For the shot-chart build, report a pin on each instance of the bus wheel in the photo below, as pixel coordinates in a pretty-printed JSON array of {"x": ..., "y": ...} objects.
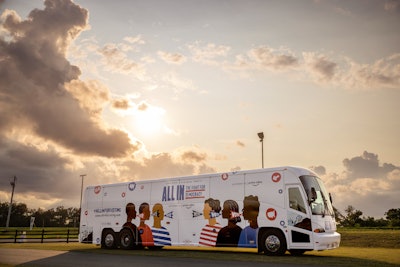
[
  {"x": 126, "y": 238},
  {"x": 108, "y": 239},
  {"x": 273, "y": 242}
]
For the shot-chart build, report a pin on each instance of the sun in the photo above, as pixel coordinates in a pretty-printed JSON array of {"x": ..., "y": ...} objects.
[{"x": 149, "y": 119}]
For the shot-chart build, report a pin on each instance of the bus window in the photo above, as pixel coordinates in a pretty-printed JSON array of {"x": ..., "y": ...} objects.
[{"x": 296, "y": 202}]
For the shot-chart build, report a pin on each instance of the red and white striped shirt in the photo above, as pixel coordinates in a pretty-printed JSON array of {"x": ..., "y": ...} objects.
[{"x": 209, "y": 234}]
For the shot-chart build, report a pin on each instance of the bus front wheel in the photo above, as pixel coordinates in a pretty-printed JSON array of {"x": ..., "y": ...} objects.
[{"x": 273, "y": 242}]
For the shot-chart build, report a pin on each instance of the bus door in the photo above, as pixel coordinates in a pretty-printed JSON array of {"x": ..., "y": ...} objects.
[{"x": 299, "y": 219}]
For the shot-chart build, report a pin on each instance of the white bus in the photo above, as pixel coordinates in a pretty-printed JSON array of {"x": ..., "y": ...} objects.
[{"x": 273, "y": 210}]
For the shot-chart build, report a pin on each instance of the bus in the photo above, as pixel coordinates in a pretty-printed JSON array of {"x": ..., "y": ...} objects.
[{"x": 272, "y": 210}]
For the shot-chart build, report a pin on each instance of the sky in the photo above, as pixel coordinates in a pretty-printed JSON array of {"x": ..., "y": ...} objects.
[{"x": 135, "y": 90}]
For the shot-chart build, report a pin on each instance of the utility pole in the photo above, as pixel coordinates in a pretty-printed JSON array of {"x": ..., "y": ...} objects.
[{"x": 12, "y": 183}]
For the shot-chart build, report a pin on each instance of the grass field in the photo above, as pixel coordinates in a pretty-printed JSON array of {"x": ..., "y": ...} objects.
[{"x": 359, "y": 247}]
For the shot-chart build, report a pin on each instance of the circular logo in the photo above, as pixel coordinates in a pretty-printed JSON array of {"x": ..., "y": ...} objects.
[
  {"x": 97, "y": 189},
  {"x": 276, "y": 177},
  {"x": 132, "y": 186},
  {"x": 271, "y": 214},
  {"x": 224, "y": 176}
]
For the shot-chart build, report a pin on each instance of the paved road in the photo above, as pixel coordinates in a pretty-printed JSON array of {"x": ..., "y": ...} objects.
[{"x": 34, "y": 257}]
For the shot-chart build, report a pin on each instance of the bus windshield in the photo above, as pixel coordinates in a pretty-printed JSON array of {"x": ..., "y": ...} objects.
[{"x": 318, "y": 198}]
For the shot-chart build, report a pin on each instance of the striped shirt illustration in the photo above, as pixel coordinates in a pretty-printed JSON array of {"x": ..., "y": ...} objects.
[
  {"x": 161, "y": 236},
  {"x": 209, "y": 234}
]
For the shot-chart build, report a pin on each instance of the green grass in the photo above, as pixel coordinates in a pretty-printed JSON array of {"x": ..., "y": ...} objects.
[{"x": 370, "y": 238}]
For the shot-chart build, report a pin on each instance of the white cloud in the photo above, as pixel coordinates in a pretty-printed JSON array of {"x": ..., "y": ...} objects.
[{"x": 209, "y": 54}]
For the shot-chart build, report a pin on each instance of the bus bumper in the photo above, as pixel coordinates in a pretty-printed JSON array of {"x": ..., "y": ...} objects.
[{"x": 323, "y": 241}]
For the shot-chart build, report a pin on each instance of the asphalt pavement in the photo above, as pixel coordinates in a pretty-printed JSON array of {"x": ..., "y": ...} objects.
[{"x": 35, "y": 257}]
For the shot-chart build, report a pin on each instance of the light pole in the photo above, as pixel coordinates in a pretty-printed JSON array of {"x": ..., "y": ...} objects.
[
  {"x": 12, "y": 183},
  {"x": 80, "y": 205},
  {"x": 261, "y": 136}
]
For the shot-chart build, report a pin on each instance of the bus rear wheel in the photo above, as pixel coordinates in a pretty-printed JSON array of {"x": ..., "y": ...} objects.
[
  {"x": 108, "y": 239},
  {"x": 273, "y": 242}
]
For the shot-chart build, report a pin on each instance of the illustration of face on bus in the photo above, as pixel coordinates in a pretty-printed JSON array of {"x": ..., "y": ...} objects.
[
  {"x": 161, "y": 235},
  {"x": 248, "y": 236},
  {"x": 130, "y": 210},
  {"x": 209, "y": 233},
  {"x": 229, "y": 235},
  {"x": 144, "y": 229}
]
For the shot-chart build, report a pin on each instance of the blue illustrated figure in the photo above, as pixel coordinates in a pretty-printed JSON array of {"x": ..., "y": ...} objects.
[
  {"x": 161, "y": 235},
  {"x": 248, "y": 236}
]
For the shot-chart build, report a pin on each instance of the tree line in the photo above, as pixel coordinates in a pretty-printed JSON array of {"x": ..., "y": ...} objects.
[
  {"x": 69, "y": 217},
  {"x": 21, "y": 216},
  {"x": 354, "y": 218}
]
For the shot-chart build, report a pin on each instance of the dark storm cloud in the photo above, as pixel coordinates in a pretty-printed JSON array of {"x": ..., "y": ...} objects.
[
  {"x": 39, "y": 171},
  {"x": 34, "y": 72},
  {"x": 367, "y": 166}
]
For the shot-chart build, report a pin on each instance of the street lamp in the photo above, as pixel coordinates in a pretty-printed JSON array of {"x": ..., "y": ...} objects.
[
  {"x": 261, "y": 136},
  {"x": 12, "y": 183},
  {"x": 80, "y": 205}
]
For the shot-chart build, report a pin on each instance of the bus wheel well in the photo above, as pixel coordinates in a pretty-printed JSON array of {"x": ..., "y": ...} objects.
[
  {"x": 271, "y": 241},
  {"x": 109, "y": 239}
]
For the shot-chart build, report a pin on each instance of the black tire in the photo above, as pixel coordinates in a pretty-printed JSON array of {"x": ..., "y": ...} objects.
[
  {"x": 108, "y": 239},
  {"x": 272, "y": 242},
  {"x": 126, "y": 239},
  {"x": 297, "y": 252}
]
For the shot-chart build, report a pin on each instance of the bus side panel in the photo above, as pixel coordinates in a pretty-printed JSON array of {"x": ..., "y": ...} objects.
[
  {"x": 191, "y": 209},
  {"x": 89, "y": 223},
  {"x": 112, "y": 214},
  {"x": 165, "y": 195}
]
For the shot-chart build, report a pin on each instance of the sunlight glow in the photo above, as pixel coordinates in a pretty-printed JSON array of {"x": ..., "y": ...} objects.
[{"x": 148, "y": 120}]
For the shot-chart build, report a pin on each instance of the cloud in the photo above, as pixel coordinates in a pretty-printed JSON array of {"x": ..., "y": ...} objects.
[
  {"x": 41, "y": 90},
  {"x": 319, "y": 66},
  {"x": 172, "y": 58},
  {"x": 365, "y": 179},
  {"x": 115, "y": 59},
  {"x": 383, "y": 73},
  {"x": 41, "y": 172},
  {"x": 240, "y": 143},
  {"x": 209, "y": 54},
  {"x": 392, "y": 6},
  {"x": 269, "y": 58},
  {"x": 366, "y": 166},
  {"x": 177, "y": 83},
  {"x": 320, "y": 170},
  {"x": 192, "y": 156},
  {"x": 135, "y": 40}
]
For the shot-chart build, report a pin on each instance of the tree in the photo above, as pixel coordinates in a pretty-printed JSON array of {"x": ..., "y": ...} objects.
[
  {"x": 19, "y": 214},
  {"x": 393, "y": 216},
  {"x": 352, "y": 217}
]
